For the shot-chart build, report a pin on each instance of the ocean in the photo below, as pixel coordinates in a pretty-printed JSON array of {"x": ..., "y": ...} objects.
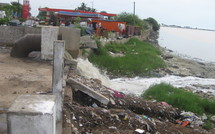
[{"x": 191, "y": 43}]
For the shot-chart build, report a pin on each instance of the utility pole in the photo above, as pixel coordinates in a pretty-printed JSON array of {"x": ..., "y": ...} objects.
[
  {"x": 18, "y": 12},
  {"x": 134, "y": 15},
  {"x": 92, "y": 4}
]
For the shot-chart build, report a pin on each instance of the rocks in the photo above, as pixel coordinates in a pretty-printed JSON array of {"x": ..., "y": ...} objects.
[
  {"x": 87, "y": 42},
  {"x": 213, "y": 119},
  {"x": 166, "y": 57}
]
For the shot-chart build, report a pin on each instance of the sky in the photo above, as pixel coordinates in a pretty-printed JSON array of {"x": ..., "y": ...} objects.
[{"x": 193, "y": 13}]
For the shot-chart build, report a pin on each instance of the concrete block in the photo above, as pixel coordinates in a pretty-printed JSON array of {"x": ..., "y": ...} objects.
[
  {"x": 81, "y": 87},
  {"x": 32, "y": 114},
  {"x": 72, "y": 40},
  {"x": 49, "y": 35}
]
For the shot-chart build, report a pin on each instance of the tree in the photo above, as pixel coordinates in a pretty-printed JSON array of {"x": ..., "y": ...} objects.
[
  {"x": 42, "y": 14},
  {"x": 130, "y": 19},
  {"x": 103, "y": 12},
  {"x": 84, "y": 7},
  {"x": 153, "y": 23},
  {"x": 17, "y": 8},
  {"x": 14, "y": 9}
]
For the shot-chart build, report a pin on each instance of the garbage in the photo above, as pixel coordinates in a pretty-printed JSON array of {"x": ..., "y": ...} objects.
[
  {"x": 73, "y": 117},
  {"x": 94, "y": 105},
  {"x": 121, "y": 115},
  {"x": 146, "y": 117},
  {"x": 116, "y": 93},
  {"x": 165, "y": 104},
  {"x": 204, "y": 117},
  {"x": 140, "y": 131},
  {"x": 185, "y": 123},
  {"x": 213, "y": 119},
  {"x": 113, "y": 127},
  {"x": 115, "y": 116},
  {"x": 189, "y": 118},
  {"x": 119, "y": 94}
]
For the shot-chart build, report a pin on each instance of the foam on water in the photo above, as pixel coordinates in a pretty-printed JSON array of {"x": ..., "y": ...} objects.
[
  {"x": 88, "y": 70},
  {"x": 138, "y": 85}
]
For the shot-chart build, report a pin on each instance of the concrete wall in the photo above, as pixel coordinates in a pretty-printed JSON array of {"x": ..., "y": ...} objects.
[
  {"x": 49, "y": 35},
  {"x": 9, "y": 34},
  {"x": 3, "y": 123},
  {"x": 72, "y": 40}
]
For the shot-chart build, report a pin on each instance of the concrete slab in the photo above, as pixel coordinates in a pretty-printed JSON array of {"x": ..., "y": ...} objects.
[
  {"x": 79, "y": 86},
  {"x": 32, "y": 113}
]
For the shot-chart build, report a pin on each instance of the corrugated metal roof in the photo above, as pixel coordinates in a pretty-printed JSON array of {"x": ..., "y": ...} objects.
[{"x": 80, "y": 14}]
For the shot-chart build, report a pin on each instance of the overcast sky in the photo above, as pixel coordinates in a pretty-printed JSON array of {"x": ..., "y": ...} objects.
[{"x": 194, "y": 13}]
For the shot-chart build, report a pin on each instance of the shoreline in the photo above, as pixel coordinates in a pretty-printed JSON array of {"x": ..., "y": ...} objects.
[{"x": 179, "y": 65}]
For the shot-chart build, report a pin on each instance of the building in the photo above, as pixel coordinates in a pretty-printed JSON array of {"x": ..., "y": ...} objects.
[
  {"x": 67, "y": 13},
  {"x": 96, "y": 20},
  {"x": 25, "y": 9}
]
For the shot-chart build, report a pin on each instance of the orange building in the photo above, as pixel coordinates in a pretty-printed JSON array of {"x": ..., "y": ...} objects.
[{"x": 109, "y": 25}]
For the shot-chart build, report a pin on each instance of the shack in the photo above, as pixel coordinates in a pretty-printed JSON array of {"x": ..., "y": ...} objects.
[{"x": 109, "y": 26}]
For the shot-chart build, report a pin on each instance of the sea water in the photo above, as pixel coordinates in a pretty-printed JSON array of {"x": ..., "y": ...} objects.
[{"x": 193, "y": 43}]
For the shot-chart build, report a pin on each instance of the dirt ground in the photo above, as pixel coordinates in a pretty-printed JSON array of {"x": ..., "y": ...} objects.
[{"x": 22, "y": 76}]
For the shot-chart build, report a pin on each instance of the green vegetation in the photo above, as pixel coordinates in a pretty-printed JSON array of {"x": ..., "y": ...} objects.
[
  {"x": 153, "y": 23},
  {"x": 144, "y": 24},
  {"x": 12, "y": 10},
  {"x": 84, "y": 7},
  {"x": 3, "y": 21},
  {"x": 208, "y": 125},
  {"x": 139, "y": 58},
  {"x": 129, "y": 19},
  {"x": 179, "y": 98}
]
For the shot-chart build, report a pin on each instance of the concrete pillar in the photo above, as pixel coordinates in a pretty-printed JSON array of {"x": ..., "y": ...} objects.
[
  {"x": 72, "y": 40},
  {"x": 57, "y": 81},
  {"x": 49, "y": 35},
  {"x": 34, "y": 114}
]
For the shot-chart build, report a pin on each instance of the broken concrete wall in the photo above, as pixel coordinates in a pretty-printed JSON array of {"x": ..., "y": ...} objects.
[
  {"x": 72, "y": 40},
  {"x": 49, "y": 35},
  {"x": 9, "y": 34}
]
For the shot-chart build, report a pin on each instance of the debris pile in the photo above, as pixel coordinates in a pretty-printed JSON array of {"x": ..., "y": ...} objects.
[{"x": 85, "y": 113}]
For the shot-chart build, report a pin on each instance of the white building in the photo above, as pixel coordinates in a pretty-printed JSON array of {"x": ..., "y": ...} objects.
[{"x": 2, "y": 14}]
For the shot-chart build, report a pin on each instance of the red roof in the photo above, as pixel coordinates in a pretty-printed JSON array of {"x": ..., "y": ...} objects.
[{"x": 68, "y": 10}]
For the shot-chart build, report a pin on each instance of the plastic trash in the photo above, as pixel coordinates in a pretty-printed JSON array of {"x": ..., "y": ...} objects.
[
  {"x": 165, "y": 104},
  {"x": 213, "y": 119},
  {"x": 140, "y": 131},
  {"x": 185, "y": 123}
]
